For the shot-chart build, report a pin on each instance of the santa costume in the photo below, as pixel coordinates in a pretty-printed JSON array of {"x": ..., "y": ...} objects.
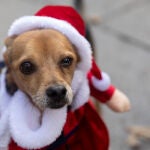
[{"x": 74, "y": 127}]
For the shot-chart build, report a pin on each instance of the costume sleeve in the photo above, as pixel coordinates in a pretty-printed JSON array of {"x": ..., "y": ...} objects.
[{"x": 100, "y": 84}]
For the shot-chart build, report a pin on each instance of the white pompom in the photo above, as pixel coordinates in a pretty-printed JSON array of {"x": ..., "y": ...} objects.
[{"x": 103, "y": 84}]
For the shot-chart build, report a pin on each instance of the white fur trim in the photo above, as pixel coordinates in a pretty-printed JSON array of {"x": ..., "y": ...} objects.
[
  {"x": 80, "y": 89},
  {"x": 103, "y": 84},
  {"x": 20, "y": 120},
  {"x": 27, "y": 23},
  {"x": 4, "y": 113},
  {"x": 25, "y": 124},
  {"x": 3, "y": 50},
  {"x": 4, "y": 148}
]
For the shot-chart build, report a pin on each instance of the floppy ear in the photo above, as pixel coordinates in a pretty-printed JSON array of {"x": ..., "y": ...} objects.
[
  {"x": 10, "y": 84},
  {"x": 9, "y": 40},
  {"x": 8, "y": 44}
]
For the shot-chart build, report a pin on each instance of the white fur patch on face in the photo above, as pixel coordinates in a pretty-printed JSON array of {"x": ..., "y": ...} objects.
[
  {"x": 69, "y": 94},
  {"x": 41, "y": 100}
]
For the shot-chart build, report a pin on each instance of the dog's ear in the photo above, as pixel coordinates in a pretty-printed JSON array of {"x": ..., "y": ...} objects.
[
  {"x": 8, "y": 44},
  {"x": 9, "y": 40},
  {"x": 10, "y": 84}
]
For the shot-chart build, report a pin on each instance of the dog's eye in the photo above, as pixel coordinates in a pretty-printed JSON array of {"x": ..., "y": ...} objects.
[
  {"x": 66, "y": 62},
  {"x": 27, "y": 68}
]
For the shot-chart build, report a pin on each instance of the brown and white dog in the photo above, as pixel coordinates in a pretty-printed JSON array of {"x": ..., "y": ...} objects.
[
  {"x": 49, "y": 67},
  {"x": 41, "y": 63}
]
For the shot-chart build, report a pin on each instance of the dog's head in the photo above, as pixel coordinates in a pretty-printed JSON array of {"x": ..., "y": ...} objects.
[{"x": 41, "y": 63}]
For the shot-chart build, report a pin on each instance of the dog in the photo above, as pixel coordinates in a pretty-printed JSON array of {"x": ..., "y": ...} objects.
[
  {"x": 41, "y": 63},
  {"x": 46, "y": 86}
]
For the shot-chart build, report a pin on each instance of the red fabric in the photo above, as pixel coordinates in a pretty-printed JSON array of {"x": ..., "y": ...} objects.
[
  {"x": 65, "y": 13},
  {"x": 91, "y": 134},
  {"x": 95, "y": 70},
  {"x": 102, "y": 96}
]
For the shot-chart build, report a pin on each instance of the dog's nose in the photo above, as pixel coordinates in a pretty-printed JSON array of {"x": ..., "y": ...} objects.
[{"x": 56, "y": 92}]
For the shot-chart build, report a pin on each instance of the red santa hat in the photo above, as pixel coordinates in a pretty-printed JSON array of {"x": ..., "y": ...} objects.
[
  {"x": 66, "y": 20},
  {"x": 100, "y": 84},
  {"x": 62, "y": 18}
]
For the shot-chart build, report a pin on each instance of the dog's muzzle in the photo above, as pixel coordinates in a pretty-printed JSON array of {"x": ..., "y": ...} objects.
[{"x": 57, "y": 96}]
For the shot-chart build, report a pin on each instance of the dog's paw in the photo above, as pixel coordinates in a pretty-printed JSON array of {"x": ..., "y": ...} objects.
[{"x": 119, "y": 102}]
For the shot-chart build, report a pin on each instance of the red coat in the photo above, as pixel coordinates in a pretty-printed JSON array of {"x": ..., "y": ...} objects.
[{"x": 84, "y": 130}]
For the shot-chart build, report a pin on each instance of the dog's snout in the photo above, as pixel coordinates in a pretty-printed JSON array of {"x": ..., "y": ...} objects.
[
  {"x": 57, "y": 96},
  {"x": 56, "y": 92}
]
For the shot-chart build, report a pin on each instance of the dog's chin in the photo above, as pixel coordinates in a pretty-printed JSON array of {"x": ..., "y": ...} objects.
[
  {"x": 43, "y": 102},
  {"x": 51, "y": 106},
  {"x": 56, "y": 106}
]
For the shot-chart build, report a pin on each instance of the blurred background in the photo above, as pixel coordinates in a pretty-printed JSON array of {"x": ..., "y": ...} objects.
[{"x": 121, "y": 32}]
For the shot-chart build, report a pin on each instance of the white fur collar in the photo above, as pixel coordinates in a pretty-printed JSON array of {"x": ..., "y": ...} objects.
[
  {"x": 20, "y": 120},
  {"x": 80, "y": 89}
]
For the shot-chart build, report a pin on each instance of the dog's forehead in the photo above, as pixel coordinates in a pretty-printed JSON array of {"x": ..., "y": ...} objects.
[
  {"x": 41, "y": 45},
  {"x": 47, "y": 40}
]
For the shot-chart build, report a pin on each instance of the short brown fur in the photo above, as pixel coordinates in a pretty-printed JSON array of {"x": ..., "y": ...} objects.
[{"x": 45, "y": 49}]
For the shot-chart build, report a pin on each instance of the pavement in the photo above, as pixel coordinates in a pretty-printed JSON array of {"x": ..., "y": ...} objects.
[{"x": 122, "y": 39}]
